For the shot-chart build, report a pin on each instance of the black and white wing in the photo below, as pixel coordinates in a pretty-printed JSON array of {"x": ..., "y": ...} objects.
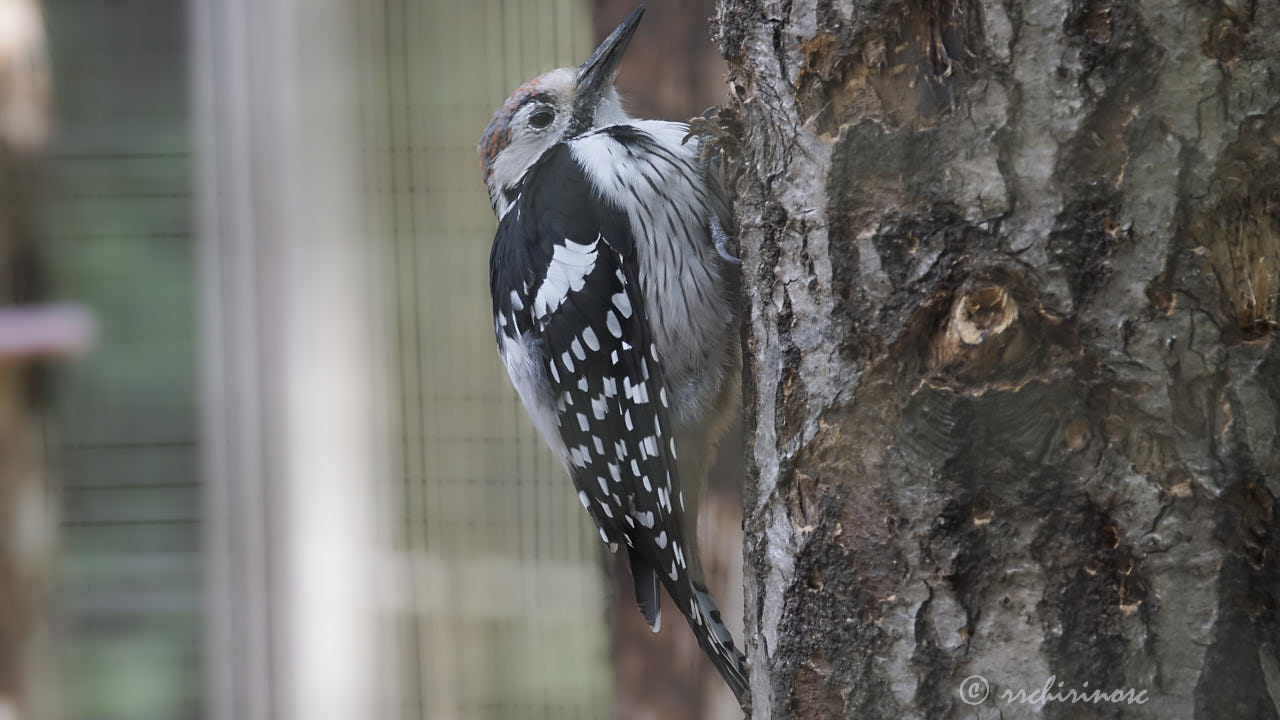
[{"x": 572, "y": 330}]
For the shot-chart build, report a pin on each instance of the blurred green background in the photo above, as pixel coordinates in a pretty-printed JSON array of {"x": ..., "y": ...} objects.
[
  {"x": 488, "y": 577},
  {"x": 500, "y": 571},
  {"x": 124, "y": 422},
  {"x": 504, "y": 609}
]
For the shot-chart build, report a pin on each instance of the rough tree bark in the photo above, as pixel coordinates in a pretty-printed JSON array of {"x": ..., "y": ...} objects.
[{"x": 1013, "y": 382}]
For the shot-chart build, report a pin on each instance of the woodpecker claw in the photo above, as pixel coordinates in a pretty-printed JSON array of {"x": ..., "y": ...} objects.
[{"x": 721, "y": 239}]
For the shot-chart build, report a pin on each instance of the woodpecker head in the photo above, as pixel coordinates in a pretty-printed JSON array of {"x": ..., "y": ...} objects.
[{"x": 555, "y": 106}]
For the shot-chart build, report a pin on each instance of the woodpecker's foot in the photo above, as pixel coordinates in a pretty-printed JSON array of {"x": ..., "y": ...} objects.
[{"x": 706, "y": 125}]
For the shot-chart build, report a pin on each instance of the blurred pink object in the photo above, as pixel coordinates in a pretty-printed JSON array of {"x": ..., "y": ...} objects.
[{"x": 47, "y": 330}]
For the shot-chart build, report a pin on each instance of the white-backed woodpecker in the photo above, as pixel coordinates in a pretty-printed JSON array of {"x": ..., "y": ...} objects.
[{"x": 616, "y": 313}]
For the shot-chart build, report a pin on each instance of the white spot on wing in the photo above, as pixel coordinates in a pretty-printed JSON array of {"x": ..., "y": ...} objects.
[
  {"x": 623, "y": 303},
  {"x": 567, "y": 272}
]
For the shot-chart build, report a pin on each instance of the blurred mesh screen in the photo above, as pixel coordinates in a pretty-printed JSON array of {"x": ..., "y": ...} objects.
[
  {"x": 499, "y": 609},
  {"x": 503, "y": 615},
  {"x": 119, "y": 221}
]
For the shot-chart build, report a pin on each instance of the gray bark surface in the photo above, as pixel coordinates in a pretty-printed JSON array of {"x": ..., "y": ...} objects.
[{"x": 1012, "y": 377}]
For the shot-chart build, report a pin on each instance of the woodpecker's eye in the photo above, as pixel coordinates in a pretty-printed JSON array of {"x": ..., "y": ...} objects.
[{"x": 541, "y": 119}]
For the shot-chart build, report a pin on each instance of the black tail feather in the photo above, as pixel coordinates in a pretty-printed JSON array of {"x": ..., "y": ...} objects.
[
  {"x": 648, "y": 594},
  {"x": 700, "y": 609},
  {"x": 713, "y": 635}
]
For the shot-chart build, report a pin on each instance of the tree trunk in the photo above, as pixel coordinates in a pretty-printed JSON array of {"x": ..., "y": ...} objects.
[{"x": 1012, "y": 383}]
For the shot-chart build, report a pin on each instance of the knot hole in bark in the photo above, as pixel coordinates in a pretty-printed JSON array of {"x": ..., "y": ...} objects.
[
  {"x": 985, "y": 312},
  {"x": 995, "y": 334}
]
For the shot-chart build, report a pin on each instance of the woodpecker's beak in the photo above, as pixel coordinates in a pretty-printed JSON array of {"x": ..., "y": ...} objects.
[{"x": 597, "y": 74}]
